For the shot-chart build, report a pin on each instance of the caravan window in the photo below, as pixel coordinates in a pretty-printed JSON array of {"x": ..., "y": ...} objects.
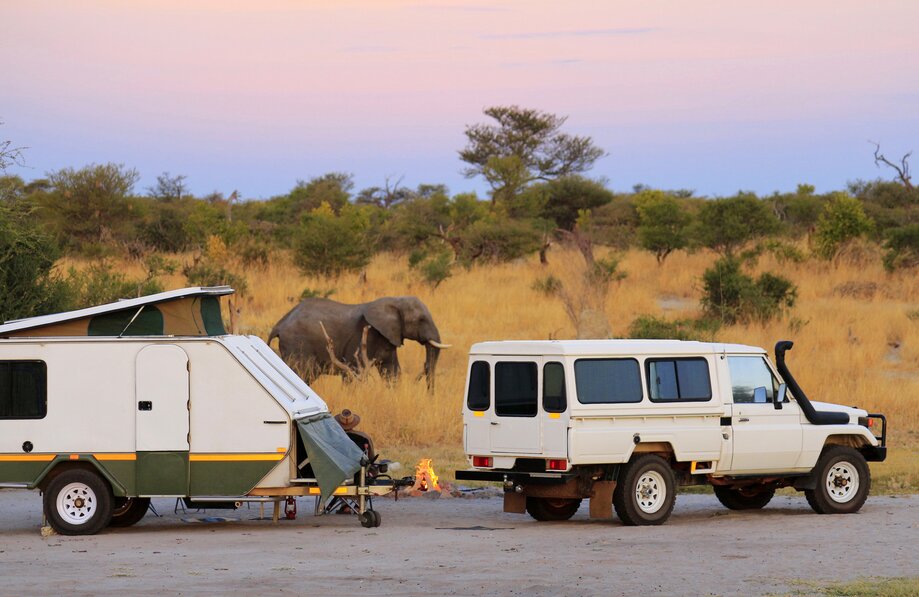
[{"x": 23, "y": 389}]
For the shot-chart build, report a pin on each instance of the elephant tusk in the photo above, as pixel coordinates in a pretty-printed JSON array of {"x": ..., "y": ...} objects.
[{"x": 438, "y": 344}]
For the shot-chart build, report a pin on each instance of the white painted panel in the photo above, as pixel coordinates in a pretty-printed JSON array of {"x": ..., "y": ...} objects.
[
  {"x": 162, "y": 382},
  {"x": 766, "y": 439}
]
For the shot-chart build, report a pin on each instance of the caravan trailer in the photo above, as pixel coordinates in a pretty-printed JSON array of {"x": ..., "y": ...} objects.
[{"x": 103, "y": 408}]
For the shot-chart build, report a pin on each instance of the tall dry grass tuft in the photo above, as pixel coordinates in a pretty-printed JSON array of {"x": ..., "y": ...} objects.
[{"x": 855, "y": 327}]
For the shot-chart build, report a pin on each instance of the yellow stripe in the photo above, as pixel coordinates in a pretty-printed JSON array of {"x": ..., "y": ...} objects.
[
  {"x": 478, "y": 413},
  {"x": 555, "y": 416},
  {"x": 233, "y": 457},
  {"x": 27, "y": 457},
  {"x": 130, "y": 456},
  {"x": 338, "y": 491}
]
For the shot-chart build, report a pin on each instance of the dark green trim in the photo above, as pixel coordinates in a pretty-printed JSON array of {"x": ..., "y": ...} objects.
[
  {"x": 119, "y": 474},
  {"x": 162, "y": 473},
  {"x": 228, "y": 477}
]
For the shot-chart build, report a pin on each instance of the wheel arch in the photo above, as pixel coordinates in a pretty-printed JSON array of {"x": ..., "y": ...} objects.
[{"x": 62, "y": 464}]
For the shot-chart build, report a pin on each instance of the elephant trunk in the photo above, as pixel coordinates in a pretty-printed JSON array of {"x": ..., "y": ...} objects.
[{"x": 432, "y": 353}]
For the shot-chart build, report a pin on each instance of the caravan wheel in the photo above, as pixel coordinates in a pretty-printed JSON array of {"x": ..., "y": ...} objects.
[{"x": 78, "y": 502}]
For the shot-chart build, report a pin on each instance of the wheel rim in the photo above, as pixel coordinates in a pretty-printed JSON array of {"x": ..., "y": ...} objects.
[
  {"x": 76, "y": 503},
  {"x": 123, "y": 507},
  {"x": 650, "y": 492},
  {"x": 842, "y": 482}
]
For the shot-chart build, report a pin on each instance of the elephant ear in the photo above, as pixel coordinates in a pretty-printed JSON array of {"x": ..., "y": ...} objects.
[{"x": 386, "y": 318}]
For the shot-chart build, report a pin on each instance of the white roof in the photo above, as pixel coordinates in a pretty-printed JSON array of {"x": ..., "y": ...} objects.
[
  {"x": 42, "y": 320},
  {"x": 608, "y": 347}
]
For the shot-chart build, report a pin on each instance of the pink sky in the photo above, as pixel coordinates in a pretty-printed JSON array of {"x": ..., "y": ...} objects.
[{"x": 714, "y": 96}]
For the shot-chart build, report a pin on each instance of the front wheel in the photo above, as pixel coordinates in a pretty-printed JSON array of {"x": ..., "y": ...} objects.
[
  {"x": 744, "y": 498},
  {"x": 129, "y": 511},
  {"x": 645, "y": 493},
  {"x": 843, "y": 482},
  {"x": 78, "y": 502},
  {"x": 546, "y": 509}
]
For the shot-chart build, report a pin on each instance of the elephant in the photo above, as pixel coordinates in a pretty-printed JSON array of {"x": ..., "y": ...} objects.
[{"x": 305, "y": 331}]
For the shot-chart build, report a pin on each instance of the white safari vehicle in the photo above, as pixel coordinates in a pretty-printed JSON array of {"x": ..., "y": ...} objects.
[
  {"x": 105, "y": 407},
  {"x": 624, "y": 422}
]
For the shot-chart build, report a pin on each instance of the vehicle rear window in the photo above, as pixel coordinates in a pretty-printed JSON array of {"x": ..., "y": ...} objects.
[
  {"x": 23, "y": 389},
  {"x": 554, "y": 399},
  {"x": 607, "y": 381},
  {"x": 679, "y": 379},
  {"x": 516, "y": 391},
  {"x": 478, "y": 397}
]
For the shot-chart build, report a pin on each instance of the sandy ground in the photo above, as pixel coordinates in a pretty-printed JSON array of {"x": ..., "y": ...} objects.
[{"x": 461, "y": 547}]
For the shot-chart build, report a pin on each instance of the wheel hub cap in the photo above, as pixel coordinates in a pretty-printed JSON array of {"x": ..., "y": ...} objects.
[
  {"x": 842, "y": 482},
  {"x": 76, "y": 503},
  {"x": 650, "y": 492}
]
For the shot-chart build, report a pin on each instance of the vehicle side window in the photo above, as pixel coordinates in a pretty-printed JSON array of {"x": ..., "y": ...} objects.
[
  {"x": 607, "y": 381},
  {"x": 23, "y": 389},
  {"x": 747, "y": 374},
  {"x": 516, "y": 390},
  {"x": 479, "y": 380},
  {"x": 679, "y": 380},
  {"x": 554, "y": 399}
]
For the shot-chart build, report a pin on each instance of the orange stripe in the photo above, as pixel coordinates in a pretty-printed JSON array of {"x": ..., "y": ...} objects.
[
  {"x": 27, "y": 457},
  {"x": 130, "y": 456},
  {"x": 233, "y": 457}
]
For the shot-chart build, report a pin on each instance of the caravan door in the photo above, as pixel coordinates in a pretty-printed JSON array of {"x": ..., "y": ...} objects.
[{"x": 161, "y": 419}]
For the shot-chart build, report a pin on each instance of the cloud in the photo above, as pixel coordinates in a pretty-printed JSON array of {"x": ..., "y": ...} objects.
[{"x": 574, "y": 33}]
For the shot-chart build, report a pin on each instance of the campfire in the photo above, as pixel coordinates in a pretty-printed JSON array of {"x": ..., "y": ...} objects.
[{"x": 427, "y": 482}]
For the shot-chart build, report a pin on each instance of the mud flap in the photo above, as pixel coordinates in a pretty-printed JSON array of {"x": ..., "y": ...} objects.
[
  {"x": 601, "y": 499},
  {"x": 515, "y": 503}
]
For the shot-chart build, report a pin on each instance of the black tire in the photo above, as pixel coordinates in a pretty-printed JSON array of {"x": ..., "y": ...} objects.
[
  {"x": 843, "y": 482},
  {"x": 744, "y": 498},
  {"x": 377, "y": 519},
  {"x": 548, "y": 509},
  {"x": 367, "y": 519},
  {"x": 128, "y": 511},
  {"x": 651, "y": 476},
  {"x": 78, "y": 502}
]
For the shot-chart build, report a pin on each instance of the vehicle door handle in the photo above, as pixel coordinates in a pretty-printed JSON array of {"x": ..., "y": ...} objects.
[
  {"x": 743, "y": 420},
  {"x": 495, "y": 423},
  {"x": 274, "y": 422}
]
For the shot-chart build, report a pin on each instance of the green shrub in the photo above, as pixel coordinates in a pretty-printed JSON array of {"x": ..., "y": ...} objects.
[
  {"x": 732, "y": 296},
  {"x": 28, "y": 285},
  {"x": 902, "y": 247},
  {"x": 100, "y": 284},
  {"x": 663, "y": 223},
  {"x": 548, "y": 285},
  {"x": 843, "y": 219},
  {"x": 726, "y": 225},
  {"x": 436, "y": 269},
  {"x": 328, "y": 244},
  {"x": 316, "y": 293},
  {"x": 651, "y": 327},
  {"x": 207, "y": 273}
]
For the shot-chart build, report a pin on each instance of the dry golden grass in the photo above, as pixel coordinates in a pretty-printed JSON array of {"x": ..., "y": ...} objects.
[{"x": 854, "y": 351}]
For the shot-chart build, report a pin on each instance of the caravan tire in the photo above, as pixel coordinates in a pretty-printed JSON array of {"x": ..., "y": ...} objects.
[
  {"x": 78, "y": 502},
  {"x": 129, "y": 511}
]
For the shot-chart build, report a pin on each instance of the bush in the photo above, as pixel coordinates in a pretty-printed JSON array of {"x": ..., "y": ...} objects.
[
  {"x": 651, "y": 327},
  {"x": 206, "y": 273},
  {"x": 663, "y": 223},
  {"x": 316, "y": 293},
  {"x": 732, "y": 296},
  {"x": 100, "y": 284},
  {"x": 843, "y": 219},
  {"x": 726, "y": 225},
  {"x": 549, "y": 285},
  {"x": 902, "y": 248},
  {"x": 436, "y": 269},
  {"x": 28, "y": 285},
  {"x": 329, "y": 244}
]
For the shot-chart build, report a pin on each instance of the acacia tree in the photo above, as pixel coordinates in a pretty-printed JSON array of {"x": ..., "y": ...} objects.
[
  {"x": 10, "y": 155},
  {"x": 663, "y": 223},
  {"x": 522, "y": 146}
]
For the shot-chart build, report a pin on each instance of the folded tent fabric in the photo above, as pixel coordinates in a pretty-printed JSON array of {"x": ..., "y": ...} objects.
[{"x": 333, "y": 456}]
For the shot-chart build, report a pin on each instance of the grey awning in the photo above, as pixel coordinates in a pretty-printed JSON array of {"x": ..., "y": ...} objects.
[{"x": 333, "y": 456}]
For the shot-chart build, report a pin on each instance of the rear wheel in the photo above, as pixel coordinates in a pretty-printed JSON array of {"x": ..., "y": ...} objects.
[
  {"x": 843, "y": 482},
  {"x": 744, "y": 498},
  {"x": 78, "y": 502},
  {"x": 129, "y": 511},
  {"x": 645, "y": 493},
  {"x": 547, "y": 509}
]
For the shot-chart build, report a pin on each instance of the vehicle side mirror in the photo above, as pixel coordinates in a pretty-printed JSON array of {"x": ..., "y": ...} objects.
[
  {"x": 780, "y": 397},
  {"x": 759, "y": 395}
]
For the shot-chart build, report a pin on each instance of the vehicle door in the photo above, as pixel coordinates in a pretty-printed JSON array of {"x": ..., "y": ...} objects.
[
  {"x": 767, "y": 436},
  {"x": 515, "y": 422},
  {"x": 162, "y": 420}
]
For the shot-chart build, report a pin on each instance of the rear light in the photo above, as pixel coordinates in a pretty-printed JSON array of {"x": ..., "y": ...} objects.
[
  {"x": 482, "y": 461},
  {"x": 557, "y": 465}
]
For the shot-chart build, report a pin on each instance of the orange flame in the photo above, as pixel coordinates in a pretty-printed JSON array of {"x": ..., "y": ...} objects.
[{"x": 425, "y": 477}]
